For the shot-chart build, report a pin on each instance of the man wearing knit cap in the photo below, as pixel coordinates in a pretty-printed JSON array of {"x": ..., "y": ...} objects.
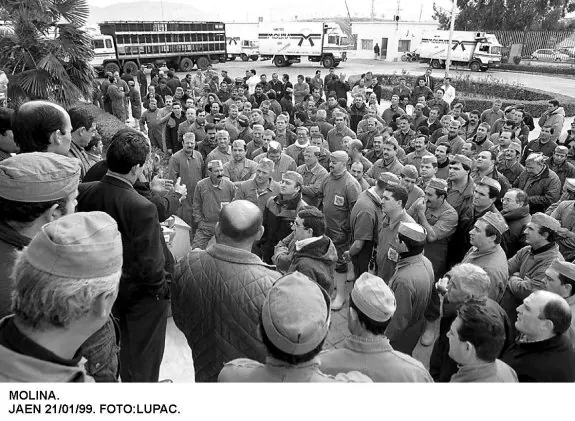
[
  {"x": 294, "y": 323},
  {"x": 35, "y": 188},
  {"x": 65, "y": 284},
  {"x": 389, "y": 162},
  {"x": 261, "y": 187},
  {"x": 313, "y": 175},
  {"x": 240, "y": 168},
  {"x": 282, "y": 162},
  {"x": 486, "y": 252},
  {"x": 560, "y": 279},
  {"x": 540, "y": 183},
  {"x": 460, "y": 185},
  {"x": 338, "y": 193},
  {"x": 367, "y": 350},
  {"x": 439, "y": 220},
  {"x": 143, "y": 299},
  {"x": 564, "y": 212},
  {"x": 42, "y": 126},
  {"x": 411, "y": 284},
  {"x": 280, "y": 213},
  {"x": 211, "y": 195},
  {"x": 485, "y": 193},
  {"x": 559, "y": 165},
  {"x": 408, "y": 179},
  {"x": 527, "y": 268}
]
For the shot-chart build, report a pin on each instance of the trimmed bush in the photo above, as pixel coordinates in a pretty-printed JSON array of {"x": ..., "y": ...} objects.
[
  {"x": 517, "y": 60},
  {"x": 565, "y": 70}
]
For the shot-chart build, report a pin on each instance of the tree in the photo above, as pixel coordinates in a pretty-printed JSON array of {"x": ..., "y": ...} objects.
[
  {"x": 514, "y": 15},
  {"x": 47, "y": 56}
]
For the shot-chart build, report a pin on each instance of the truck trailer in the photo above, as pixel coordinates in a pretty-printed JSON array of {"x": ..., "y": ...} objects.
[
  {"x": 477, "y": 50},
  {"x": 242, "y": 41},
  {"x": 286, "y": 43},
  {"x": 175, "y": 44}
]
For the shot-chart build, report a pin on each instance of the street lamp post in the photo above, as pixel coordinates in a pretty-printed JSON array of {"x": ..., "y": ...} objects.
[{"x": 451, "y": 27}]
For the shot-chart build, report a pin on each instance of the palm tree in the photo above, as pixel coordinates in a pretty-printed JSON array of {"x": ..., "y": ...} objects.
[{"x": 45, "y": 53}]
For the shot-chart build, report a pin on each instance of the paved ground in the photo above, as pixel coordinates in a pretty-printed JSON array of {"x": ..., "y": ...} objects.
[{"x": 178, "y": 363}]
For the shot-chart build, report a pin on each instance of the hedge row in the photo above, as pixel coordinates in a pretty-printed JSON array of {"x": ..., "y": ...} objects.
[
  {"x": 535, "y": 108},
  {"x": 566, "y": 70},
  {"x": 485, "y": 87}
]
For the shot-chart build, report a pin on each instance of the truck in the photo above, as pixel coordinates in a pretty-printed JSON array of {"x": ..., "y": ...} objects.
[
  {"x": 477, "y": 50},
  {"x": 242, "y": 41},
  {"x": 286, "y": 43},
  {"x": 177, "y": 44}
]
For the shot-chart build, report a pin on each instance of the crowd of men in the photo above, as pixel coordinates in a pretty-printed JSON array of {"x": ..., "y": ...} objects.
[{"x": 457, "y": 230}]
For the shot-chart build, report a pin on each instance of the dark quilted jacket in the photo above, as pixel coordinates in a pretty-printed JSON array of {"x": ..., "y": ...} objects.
[{"x": 217, "y": 297}]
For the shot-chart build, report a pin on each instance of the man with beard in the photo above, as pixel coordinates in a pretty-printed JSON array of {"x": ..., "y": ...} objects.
[
  {"x": 452, "y": 138},
  {"x": 206, "y": 146},
  {"x": 357, "y": 110},
  {"x": 210, "y": 196},
  {"x": 516, "y": 214},
  {"x": 240, "y": 168},
  {"x": 339, "y": 192},
  {"x": 469, "y": 129},
  {"x": 280, "y": 212},
  {"x": 558, "y": 163}
]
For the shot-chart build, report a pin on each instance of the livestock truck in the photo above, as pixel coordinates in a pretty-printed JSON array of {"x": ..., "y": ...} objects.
[
  {"x": 476, "y": 50},
  {"x": 286, "y": 43},
  {"x": 181, "y": 45}
]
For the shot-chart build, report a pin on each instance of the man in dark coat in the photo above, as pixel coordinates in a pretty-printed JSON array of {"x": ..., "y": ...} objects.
[
  {"x": 143, "y": 299},
  {"x": 542, "y": 353},
  {"x": 217, "y": 294},
  {"x": 466, "y": 282},
  {"x": 308, "y": 249},
  {"x": 516, "y": 214},
  {"x": 280, "y": 212}
]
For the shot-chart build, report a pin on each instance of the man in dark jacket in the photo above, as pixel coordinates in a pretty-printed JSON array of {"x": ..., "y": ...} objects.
[
  {"x": 465, "y": 282},
  {"x": 516, "y": 214},
  {"x": 540, "y": 183},
  {"x": 542, "y": 353},
  {"x": 309, "y": 250},
  {"x": 218, "y": 293},
  {"x": 280, "y": 212},
  {"x": 177, "y": 117},
  {"x": 143, "y": 299}
]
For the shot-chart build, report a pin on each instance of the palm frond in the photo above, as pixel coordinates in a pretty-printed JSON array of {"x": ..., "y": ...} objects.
[
  {"x": 74, "y": 11},
  {"x": 35, "y": 83},
  {"x": 51, "y": 64}
]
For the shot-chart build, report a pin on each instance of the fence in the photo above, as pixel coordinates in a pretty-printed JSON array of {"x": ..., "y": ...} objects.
[{"x": 534, "y": 40}]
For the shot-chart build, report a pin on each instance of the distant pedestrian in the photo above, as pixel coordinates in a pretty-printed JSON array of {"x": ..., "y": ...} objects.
[{"x": 376, "y": 51}]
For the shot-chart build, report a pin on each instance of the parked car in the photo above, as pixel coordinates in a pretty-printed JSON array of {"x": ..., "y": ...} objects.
[
  {"x": 569, "y": 51},
  {"x": 549, "y": 55}
]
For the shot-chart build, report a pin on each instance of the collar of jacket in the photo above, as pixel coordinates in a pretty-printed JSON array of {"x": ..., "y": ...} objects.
[
  {"x": 543, "y": 174},
  {"x": 374, "y": 344},
  {"x": 516, "y": 214},
  {"x": 539, "y": 346},
  {"x": 373, "y": 196},
  {"x": 235, "y": 255},
  {"x": 445, "y": 164},
  {"x": 476, "y": 371},
  {"x": 408, "y": 260},
  {"x": 299, "y": 244},
  {"x": 314, "y": 363},
  {"x": 543, "y": 249},
  {"x": 288, "y": 203},
  {"x": 116, "y": 181},
  {"x": 11, "y": 236},
  {"x": 481, "y": 253}
]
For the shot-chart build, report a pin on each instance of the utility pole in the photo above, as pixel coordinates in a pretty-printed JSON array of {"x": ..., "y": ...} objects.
[
  {"x": 451, "y": 27},
  {"x": 373, "y": 9},
  {"x": 397, "y": 15}
]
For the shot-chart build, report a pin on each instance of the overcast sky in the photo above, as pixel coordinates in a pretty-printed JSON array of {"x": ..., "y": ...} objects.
[{"x": 228, "y": 9}]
